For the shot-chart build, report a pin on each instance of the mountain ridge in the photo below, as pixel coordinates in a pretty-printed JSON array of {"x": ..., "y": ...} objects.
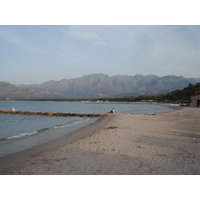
[
  {"x": 8, "y": 90},
  {"x": 101, "y": 85}
]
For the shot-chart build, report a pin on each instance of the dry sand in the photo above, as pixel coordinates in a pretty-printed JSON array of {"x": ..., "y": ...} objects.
[{"x": 166, "y": 143}]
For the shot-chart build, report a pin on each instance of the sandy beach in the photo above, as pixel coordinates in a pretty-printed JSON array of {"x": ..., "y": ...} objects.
[{"x": 129, "y": 144}]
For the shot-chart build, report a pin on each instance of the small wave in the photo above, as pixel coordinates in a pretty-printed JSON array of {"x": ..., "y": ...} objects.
[
  {"x": 69, "y": 124},
  {"x": 22, "y": 135}
]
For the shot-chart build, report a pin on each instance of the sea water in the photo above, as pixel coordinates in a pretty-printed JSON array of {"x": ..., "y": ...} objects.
[{"x": 20, "y": 132}]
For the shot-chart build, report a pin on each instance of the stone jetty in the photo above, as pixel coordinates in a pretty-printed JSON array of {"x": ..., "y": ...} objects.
[{"x": 50, "y": 113}]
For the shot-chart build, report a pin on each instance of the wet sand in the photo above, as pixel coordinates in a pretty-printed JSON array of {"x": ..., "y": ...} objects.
[{"x": 129, "y": 144}]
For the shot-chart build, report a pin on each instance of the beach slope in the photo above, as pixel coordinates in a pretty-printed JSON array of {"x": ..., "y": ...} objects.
[{"x": 129, "y": 144}]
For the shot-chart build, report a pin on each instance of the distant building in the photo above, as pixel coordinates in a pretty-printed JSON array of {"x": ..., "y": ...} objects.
[
  {"x": 184, "y": 103},
  {"x": 195, "y": 99},
  {"x": 152, "y": 101}
]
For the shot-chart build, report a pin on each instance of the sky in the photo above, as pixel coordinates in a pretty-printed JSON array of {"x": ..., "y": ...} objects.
[
  {"x": 43, "y": 40},
  {"x": 32, "y": 54}
]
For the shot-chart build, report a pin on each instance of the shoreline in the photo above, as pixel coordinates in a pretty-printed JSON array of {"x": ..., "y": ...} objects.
[
  {"x": 27, "y": 144},
  {"x": 49, "y": 141},
  {"x": 129, "y": 144},
  {"x": 42, "y": 137},
  {"x": 172, "y": 106},
  {"x": 68, "y": 139}
]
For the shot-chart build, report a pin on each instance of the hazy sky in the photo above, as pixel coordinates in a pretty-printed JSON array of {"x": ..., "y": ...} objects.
[{"x": 35, "y": 54}]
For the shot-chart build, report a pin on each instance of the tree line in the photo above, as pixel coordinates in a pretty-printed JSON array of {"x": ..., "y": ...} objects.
[{"x": 174, "y": 96}]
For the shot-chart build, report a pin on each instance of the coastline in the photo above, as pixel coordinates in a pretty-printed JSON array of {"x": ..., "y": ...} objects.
[
  {"x": 169, "y": 105},
  {"x": 43, "y": 136},
  {"x": 163, "y": 143},
  {"x": 70, "y": 138}
]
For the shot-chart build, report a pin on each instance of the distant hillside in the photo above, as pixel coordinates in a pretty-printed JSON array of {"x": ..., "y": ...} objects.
[
  {"x": 174, "y": 96},
  {"x": 101, "y": 85},
  {"x": 97, "y": 86},
  {"x": 8, "y": 90}
]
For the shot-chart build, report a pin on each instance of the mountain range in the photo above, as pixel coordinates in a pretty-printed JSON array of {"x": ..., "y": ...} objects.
[{"x": 96, "y": 86}]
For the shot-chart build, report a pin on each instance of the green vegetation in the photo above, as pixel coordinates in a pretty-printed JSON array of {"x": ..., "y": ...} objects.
[
  {"x": 174, "y": 96},
  {"x": 184, "y": 94}
]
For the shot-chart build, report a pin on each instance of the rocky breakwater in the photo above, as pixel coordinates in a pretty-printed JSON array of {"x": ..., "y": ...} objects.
[{"x": 50, "y": 113}]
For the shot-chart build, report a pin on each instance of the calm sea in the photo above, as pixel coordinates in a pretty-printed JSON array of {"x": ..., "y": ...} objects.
[{"x": 20, "y": 132}]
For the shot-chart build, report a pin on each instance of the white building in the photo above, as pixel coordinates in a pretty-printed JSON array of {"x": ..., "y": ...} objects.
[{"x": 195, "y": 99}]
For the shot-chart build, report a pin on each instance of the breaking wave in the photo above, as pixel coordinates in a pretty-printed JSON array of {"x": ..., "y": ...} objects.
[{"x": 23, "y": 135}]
